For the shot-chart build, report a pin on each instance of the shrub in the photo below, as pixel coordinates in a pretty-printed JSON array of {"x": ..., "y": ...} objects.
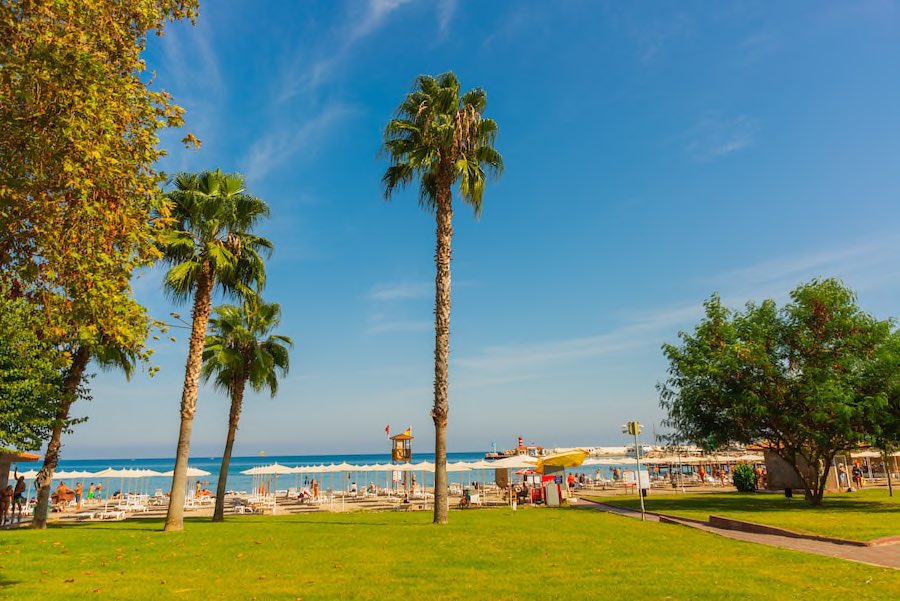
[{"x": 744, "y": 477}]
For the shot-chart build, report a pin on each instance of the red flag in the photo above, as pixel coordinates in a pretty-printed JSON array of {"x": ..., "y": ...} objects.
[{"x": 387, "y": 429}]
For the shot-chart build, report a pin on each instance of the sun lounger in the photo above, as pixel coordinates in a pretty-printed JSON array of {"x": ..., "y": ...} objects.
[{"x": 110, "y": 514}]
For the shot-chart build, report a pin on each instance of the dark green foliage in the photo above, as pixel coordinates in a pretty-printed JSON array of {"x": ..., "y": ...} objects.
[
  {"x": 744, "y": 477},
  {"x": 30, "y": 378},
  {"x": 812, "y": 378}
]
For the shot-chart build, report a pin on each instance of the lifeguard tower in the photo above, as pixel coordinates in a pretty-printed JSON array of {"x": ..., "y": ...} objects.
[{"x": 401, "y": 451}]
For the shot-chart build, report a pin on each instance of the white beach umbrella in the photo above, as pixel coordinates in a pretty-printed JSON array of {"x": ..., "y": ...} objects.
[
  {"x": 72, "y": 474},
  {"x": 192, "y": 472},
  {"x": 269, "y": 470},
  {"x": 424, "y": 466},
  {"x": 458, "y": 466},
  {"x": 514, "y": 461},
  {"x": 29, "y": 475},
  {"x": 609, "y": 460},
  {"x": 109, "y": 472},
  {"x": 381, "y": 467}
]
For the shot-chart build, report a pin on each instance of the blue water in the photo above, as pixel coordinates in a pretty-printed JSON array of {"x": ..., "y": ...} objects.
[{"x": 240, "y": 482}]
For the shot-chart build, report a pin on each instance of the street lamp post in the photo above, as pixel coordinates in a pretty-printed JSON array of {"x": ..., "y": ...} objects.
[{"x": 634, "y": 428}]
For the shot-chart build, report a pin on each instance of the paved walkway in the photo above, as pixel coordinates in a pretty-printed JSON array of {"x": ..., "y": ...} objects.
[{"x": 886, "y": 556}]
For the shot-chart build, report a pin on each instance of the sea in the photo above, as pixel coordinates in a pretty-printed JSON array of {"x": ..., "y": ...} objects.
[{"x": 240, "y": 482}]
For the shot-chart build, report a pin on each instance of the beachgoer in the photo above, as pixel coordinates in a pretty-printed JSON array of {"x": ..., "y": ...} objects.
[
  {"x": 99, "y": 491},
  {"x": 197, "y": 490},
  {"x": 62, "y": 496},
  {"x": 6, "y": 496},
  {"x": 857, "y": 475},
  {"x": 18, "y": 499},
  {"x": 701, "y": 473},
  {"x": 91, "y": 492},
  {"x": 79, "y": 490},
  {"x": 842, "y": 477}
]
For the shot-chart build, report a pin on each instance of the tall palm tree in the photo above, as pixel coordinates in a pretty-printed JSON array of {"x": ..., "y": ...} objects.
[
  {"x": 440, "y": 138},
  {"x": 208, "y": 243},
  {"x": 241, "y": 349}
]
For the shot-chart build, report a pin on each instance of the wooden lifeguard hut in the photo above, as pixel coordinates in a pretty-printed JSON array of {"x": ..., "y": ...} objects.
[{"x": 401, "y": 451}]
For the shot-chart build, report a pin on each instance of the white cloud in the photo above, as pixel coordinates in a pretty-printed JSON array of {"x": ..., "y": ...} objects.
[
  {"x": 285, "y": 140},
  {"x": 383, "y": 327},
  {"x": 716, "y": 136},
  {"x": 401, "y": 291},
  {"x": 867, "y": 264},
  {"x": 307, "y": 74},
  {"x": 445, "y": 11}
]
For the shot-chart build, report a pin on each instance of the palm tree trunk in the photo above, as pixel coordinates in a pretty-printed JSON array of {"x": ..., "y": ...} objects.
[
  {"x": 237, "y": 401},
  {"x": 441, "y": 350},
  {"x": 51, "y": 458},
  {"x": 202, "y": 308}
]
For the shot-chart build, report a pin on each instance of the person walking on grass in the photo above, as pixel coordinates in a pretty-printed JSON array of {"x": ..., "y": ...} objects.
[{"x": 857, "y": 475}]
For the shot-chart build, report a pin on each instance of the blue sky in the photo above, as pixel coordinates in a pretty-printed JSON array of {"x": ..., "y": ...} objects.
[{"x": 655, "y": 153}]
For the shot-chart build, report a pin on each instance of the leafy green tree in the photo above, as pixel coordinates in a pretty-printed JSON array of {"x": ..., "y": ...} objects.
[
  {"x": 811, "y": 379},
  {"x": 241, "y": 349},
  {"x": 209, "y": 243},
  {"x": 440, "y": 138},
  {"x": 886, "y": 430},
  {"x": 78, "y": 146},
  {"x": 30, "y": 377}
]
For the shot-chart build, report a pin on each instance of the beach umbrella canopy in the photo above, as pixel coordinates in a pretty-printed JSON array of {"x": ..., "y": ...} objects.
[
  {"x": 613, "y": 460},
  {"x": 192, "y": 472},
  {"x": 268, "y": 470},
  {"x": 567, "y": 459},
  {"x": 424, "y": 466},
  {"x": 515, "y": 461},
  {"x": 29, "y": 475},
  {"x": 73, "y": 474},
  {"x": 459, "y": 466},
  {"x": 109, "y": 473},
  {"x": 382, "y": 467}
]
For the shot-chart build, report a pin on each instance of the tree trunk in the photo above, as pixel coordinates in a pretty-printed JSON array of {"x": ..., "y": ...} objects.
[
  {"x": 441, "y": 408},
  {"x": 887, "y": 472},
  {"x": 202, "y": 308},
  {"x": 237, "y": 401},
  {"x": 51, "y": 458}
]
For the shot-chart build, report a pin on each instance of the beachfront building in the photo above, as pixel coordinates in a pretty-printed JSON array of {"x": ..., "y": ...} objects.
[{"x": 8, "y": 458}]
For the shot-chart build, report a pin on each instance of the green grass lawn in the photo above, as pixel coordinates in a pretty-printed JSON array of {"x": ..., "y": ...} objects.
[
  {"x": 489, "y": 554},
  {"x": 863, "y": 515}
]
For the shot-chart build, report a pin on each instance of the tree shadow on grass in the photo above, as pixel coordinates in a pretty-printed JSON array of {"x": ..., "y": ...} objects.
[{"x": 7, "y": 583}]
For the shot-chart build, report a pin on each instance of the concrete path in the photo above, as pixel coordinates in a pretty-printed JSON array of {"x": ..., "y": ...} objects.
[{"x": 885, "y": 556}]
